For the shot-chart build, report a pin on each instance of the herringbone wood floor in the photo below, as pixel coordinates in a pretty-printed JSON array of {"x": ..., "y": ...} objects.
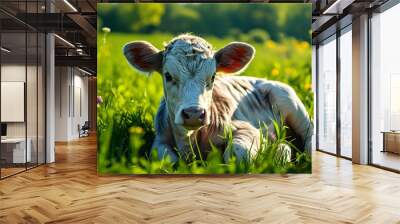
[{"x": 70, "y": 191}]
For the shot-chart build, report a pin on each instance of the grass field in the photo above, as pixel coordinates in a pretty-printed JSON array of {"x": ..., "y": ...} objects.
[{"x": 130, "y": 102}]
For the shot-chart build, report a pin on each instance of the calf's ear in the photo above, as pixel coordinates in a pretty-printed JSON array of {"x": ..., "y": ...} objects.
[
  {"x": 234, "y": 57},
  {"x": 143, "y": 56}
]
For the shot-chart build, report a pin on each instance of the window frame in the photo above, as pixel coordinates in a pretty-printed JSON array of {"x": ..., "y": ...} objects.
[{"x": 346, "y": 27}]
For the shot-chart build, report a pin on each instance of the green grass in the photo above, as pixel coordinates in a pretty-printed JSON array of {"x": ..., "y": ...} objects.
[{"x": 125, "y": 118}]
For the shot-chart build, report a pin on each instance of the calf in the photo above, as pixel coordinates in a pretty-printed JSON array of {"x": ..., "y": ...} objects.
[{"x": 198, "y": 104}]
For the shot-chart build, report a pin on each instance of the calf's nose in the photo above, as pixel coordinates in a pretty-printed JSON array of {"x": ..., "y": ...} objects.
[{"x": 193, "y": 116}]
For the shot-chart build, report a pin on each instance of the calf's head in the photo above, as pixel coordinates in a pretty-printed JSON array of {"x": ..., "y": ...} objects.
[{"x": 188, "y": 66}]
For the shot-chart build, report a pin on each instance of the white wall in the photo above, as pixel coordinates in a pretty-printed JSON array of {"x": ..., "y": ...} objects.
[
  {"x": 62, "y": 81},
  {"x": 13, "y": 100},
  {"x": 33, "y": 126},
  {"x": 71, "y": 94},
  {"x": 12, "y": 73},
  {"x": 79, "y": 117}
]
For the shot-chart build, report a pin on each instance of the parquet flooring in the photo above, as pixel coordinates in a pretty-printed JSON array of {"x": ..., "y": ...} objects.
[
  {"x": 11, "y": 170},
  {"x": 70, "y": 191}
]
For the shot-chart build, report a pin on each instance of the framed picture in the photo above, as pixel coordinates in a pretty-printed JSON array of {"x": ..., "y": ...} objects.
[{"x": 204, "y": 88}]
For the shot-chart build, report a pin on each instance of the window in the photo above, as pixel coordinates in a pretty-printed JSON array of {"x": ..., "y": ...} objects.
[
  {"x": 327, "y": 96},
  {"x": 385, "y": 89},
  {"x": 346, "y": 93}
]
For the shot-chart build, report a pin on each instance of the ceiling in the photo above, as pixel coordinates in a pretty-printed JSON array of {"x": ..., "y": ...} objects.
[
  {"x": 74, "y": 22},
  {"x": 330, "y": 15}
]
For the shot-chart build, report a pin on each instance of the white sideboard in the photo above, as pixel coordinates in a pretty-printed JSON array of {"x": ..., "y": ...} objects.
[
  {"x": 17, "y": 146},
  {"x": 391, "y": 142}
]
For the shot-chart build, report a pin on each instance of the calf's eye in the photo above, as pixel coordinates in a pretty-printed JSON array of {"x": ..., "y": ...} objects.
[
  {"x": 209, "y": 84},
  {"x": 168, "y": 77},
  {"x": 213, "y": 78}
]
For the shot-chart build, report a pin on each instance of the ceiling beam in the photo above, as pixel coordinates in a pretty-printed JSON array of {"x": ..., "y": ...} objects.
[
  {"x": 337, "y": 7},
  {"x": 83, "y": 23},
  {"x": 45, "y": 22},
  {"x": 77, "y": 61}
]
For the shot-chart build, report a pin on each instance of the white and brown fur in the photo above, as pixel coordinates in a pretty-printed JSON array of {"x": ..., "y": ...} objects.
[{"x": 241, "y": 103}]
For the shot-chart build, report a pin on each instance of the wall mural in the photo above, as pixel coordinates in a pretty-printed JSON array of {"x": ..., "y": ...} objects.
[{"x": 204, "y": 88}]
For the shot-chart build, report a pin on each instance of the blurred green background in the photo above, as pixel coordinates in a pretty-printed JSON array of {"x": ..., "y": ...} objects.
[
  {"x": 258, "y": 22},
  {"x": 279, "y": 32}
]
